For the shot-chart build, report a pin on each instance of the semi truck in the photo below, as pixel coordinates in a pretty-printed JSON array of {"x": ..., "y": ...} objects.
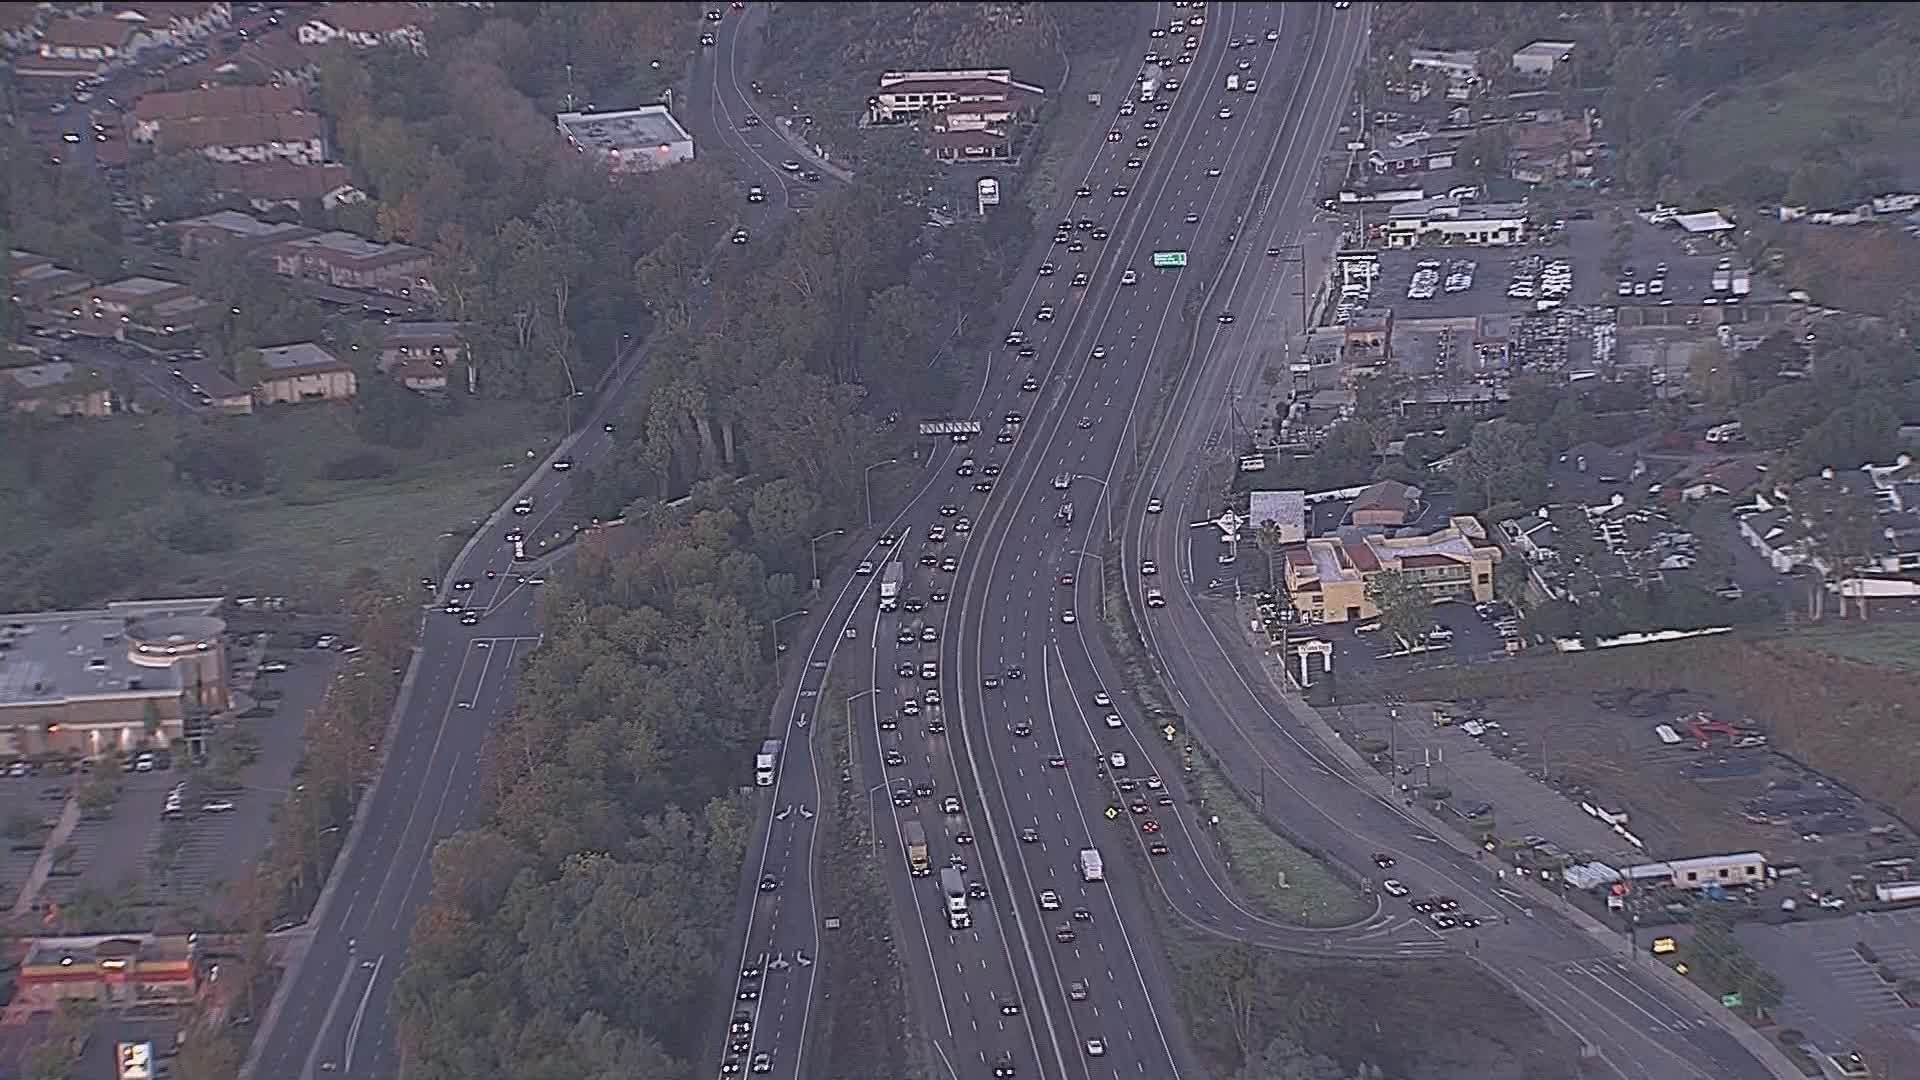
[
  {"x": 1090, "y": 867},
  {"x": 766, "y": 763},
  {"x": 890, "y": 581},
  {"x": 955, "y": 889},
  {"x": 917, "y": 861},
  {"x": 1149, "y": 83}
]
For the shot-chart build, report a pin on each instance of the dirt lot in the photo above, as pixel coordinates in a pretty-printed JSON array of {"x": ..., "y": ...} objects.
[
  {"x": 1339, "y": 1010},
  {"x": 1864, "y": 268},
  {"x": 1841, "y": 761}
]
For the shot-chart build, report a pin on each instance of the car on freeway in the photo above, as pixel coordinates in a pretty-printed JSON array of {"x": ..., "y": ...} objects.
[
  {"x": 1003, "y": 1067},
  {"x": 1149, "y": 568},
  {"x": 865, "y": 569},
  {"x": 1020, "y": 729},
  {"x": 1129, "y": 277},
  {"x": 1154, "y": 505},
  {"x": 1114, "y": 721},
  {"x": 1101, "y": 699},
  {"x": 1049, "y": 900},
  {"x": 1158, "y": 847},
  {"x": 1096, "y": 1048},
  {"x": 1067, "y": 616},
  {"x": 1076, "y": 991},
  {"x": 1064, "y": 934},
  {"x": 769, "y": 883},
  {"x": 1009, "y": 1007},
  {"x": 1029, "y": 835},
  {"x": 1056, "y": 762}
]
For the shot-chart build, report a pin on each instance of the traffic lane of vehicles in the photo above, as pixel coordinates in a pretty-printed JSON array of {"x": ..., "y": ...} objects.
[
  {"x": 434, "y": 765},
  {"x": 1149, "y": 1006},
  {"x": 733, "y": 107},
  {"x": 964, "y": 977}
]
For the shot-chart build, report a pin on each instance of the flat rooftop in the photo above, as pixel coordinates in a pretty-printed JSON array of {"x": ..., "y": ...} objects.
[
  {"x": 50, "y": 657},
  {"x": 298, "y": 357},
  {"x": 634, "y": 129},
  {"x": 239, "y": 224}
]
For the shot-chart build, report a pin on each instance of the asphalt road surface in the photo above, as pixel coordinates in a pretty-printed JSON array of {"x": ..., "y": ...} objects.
[
  {"x": 330, "y": 1017},
  {"x": 1007, "y": 990}
]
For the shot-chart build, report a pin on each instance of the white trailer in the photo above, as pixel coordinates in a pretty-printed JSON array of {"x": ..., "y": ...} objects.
[
  {"x": 1090, "y": 866},
  {"x": 766, "y": 763},
  {"x": 955, "y": 889}
]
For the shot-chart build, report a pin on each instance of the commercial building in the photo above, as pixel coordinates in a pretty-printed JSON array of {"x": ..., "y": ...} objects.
[
  {"x": 1543, "y": 58},
  {"x": 111, "y": 970},
  {"x": 633, "y": 140},
  {"x": 121, "y": 677},
  {"x": 1707, "y": 871},
  {"x": 992, "y": 95},
  {"x": 291, "y": 374},
  {"x": 58, "y": 388},
  {"x": 1327, "y": 577},
  {"x": 1449, "y": 221}
]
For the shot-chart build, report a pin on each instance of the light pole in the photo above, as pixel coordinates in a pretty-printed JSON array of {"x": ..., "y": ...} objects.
[
  {"x": 813, "y": 546},
  {"x": 774, "y": 627},
  {"x": 866, "y": 484}
]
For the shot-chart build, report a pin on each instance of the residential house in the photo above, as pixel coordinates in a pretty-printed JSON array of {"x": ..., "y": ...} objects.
[
  {"x": 1444, "y": 220},
  {"x": 173, "y": 23},
  {"x": 57, "y": 388},
  {"x": 1457, "y": 70},
  {"x": 291, "y": 374},
  {"x": 418, "y": 355},
  {"x": 275, "y": 58},
  {"x": 1545, "y": 150},
  {"x": 1389, "y": 502},
  {"x": 281, "y": 184},
  {"x": 346, "y": 261},
  {"x": 33, "y": 279},
  {"x": 19, "y": 27},
  {"x": 94, "y": 39},
  {"x": 1779, "y": 538},
  {"x": 1413, "y": 155},
  {"x": 299, "y": 138},
  {"x": 197, "y": 236},
  {"x": 1327, "y": 578},
  {"x": 1732, "y": 479},
  {"x": 215, "y": 389},
  {"x": 367, "y": 26},
  {"x": 162, "y": 107},
  {"x": 1543, "y": 59}
]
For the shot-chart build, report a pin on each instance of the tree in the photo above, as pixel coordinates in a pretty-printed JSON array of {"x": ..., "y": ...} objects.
[
  {"x": 388, "y": 414},
  {"x": 1840, "y": 527},
  {"x": 1502, "y": 463},
  {"x": 1402, "y": 605}
]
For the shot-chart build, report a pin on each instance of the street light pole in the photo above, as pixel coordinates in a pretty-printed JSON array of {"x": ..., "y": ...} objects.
[
  {"x": 774, "y": 627},
  {"x": 813, "y": 546},
  {"x": 866, "y": 484}
]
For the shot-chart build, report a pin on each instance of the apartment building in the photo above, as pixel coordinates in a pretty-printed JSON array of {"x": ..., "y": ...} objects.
[
  {"x": 301, "y": 372},
  {"x": 94, "y": 39},
  {"x": 299, "y": 138},
  {"x": 208, "y": 232},
  {"x": 56, "y": 388},
  {"x": 162, "y": 107},
  {"x": 346, "y": 261},
  {"x": 283, "y": 184},
  {"x": 367, "y": 26},
  {"x": 418, "y": 355}
]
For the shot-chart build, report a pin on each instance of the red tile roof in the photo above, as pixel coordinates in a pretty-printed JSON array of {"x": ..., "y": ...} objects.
[
  {"x": 219, "y": 101},
  {"x": 1360, "y": 556},
  {"x": 200, "y": 133},
  {"x": 281, "y": 180},
  {"x": 93, "y": 32}
]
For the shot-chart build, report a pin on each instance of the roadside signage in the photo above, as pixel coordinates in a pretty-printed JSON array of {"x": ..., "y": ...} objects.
[
  {"x": 1112, "y": 812},
  {"x": 1169, "y": 259},
  {"x": 1731, "y": 1001},
  {"x": 1169, "y": 731}
]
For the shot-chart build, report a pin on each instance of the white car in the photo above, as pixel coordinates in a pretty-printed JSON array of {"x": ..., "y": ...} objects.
[
  {"x": 1117, "y": 759},
  {"x": 1392, "y": 887},
  {"x": 1153, "y": 505},
  {"x": 1149, "y": 568},
  {"x": 1101, "y": 699},
  {"x": 1049, "y": 900},
  {"x": 1129, "y": 277},
  {"x": 1096, "y": 1048},
  {"x": 865, "y": 569},
  {"x": 1225, "y": 113},
  {"x": 1067, "y": 616},
  {"x": 1113, "y": 720}
]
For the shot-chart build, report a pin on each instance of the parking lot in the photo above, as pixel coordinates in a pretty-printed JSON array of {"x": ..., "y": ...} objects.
[
  {"x": 216, "y": 832},
  {"x": 1482, "y": 771},
  {"x": 1831, "y": 992}
]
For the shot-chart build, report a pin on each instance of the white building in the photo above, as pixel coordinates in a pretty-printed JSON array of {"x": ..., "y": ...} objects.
[
  {"x": 1448, "y": 221},
  {"x": 1725, "y": 871},
  {"x": 971, "y": 98},
  {"x": 1542, "y": 58},
  {"x": 636, "y": 140}
]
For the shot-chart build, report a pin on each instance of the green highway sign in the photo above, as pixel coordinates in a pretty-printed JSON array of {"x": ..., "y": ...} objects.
[
  {"x": 1164, "y": 259},
  {"x": 1731, "y": 1001}
]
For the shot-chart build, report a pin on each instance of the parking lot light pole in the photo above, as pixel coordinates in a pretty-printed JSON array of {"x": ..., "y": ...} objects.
[
  {"x": 866, "y": 484},
  {"x": 813, "y": 546}
]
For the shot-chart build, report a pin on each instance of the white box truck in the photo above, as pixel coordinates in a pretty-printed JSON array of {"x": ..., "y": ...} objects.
[
  {"x": 1233, "y": 81},
  {"x": 890, "y": 580},
  {"x": 766, "y": 763},
  {"x": 955, "y": 888},
  {"x": 1090, "y": 867}
]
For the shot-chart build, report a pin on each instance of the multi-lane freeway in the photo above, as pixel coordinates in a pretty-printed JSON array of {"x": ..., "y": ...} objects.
[
  {"x": 330, "y": 1015},
  {"x": 993, "y": 717}
]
